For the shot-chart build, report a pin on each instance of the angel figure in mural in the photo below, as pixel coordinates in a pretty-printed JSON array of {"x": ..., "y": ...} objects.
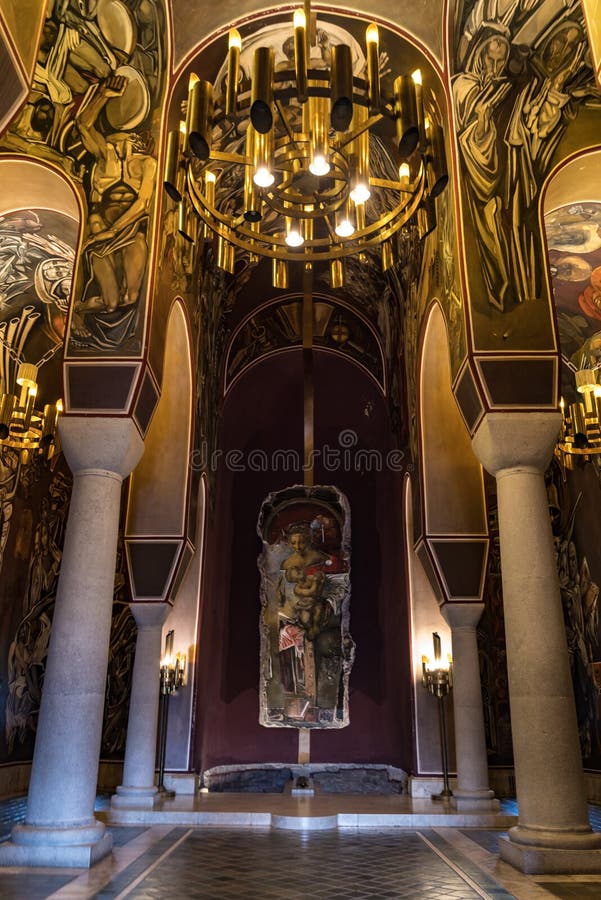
[
  {"x": 477, "y": 94},
  {"x": 122, "y": 187}
]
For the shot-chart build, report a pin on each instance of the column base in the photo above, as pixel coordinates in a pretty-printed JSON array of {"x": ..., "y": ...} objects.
[
  {"x": 466, "y": 801},
  {"x": 533, "y": 860},
  {"x": 76, "y": 847},
  {"x": 134, "y": 797}
]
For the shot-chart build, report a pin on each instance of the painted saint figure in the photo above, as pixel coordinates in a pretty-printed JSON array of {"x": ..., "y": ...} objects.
[
  {"x": 122, "y": 188},
  {"x": 306, "y": 649}
]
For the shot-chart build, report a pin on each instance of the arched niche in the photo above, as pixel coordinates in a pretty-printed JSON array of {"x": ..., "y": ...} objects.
[
  {"x": 425, "y": 618},
  {"x": 453, "y": 491},
  {"x": 155, "y": 530},
  {"x": 185, "y": 619},
  {"x": 29, "y": 184},
  {"x": 40, "y": 225},
  {"x": 159, "y": 484}
]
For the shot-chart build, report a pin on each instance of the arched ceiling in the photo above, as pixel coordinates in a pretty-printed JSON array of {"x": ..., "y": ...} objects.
[{"x": 194, "y": 20}]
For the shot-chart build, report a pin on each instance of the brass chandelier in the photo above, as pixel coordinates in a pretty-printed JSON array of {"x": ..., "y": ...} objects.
[
  {"x": 580, "y": 434},
  {"x": 298, "y": 184},
  {"x": 24, "y": 428}
]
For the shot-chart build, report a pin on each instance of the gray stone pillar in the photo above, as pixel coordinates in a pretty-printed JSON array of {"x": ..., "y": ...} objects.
[
  {"x": 138, "y": 789},
  {"x": 472, "y": 791},
  {"x": 553, "y": 834},
  {"x": 60, "y": 828}
]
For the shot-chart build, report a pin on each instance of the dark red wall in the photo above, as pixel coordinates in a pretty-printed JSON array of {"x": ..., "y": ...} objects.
[{"x": 265, "y": 411}]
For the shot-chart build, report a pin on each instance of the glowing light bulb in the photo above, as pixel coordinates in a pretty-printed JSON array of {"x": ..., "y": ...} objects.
[
  {"x": 404, "y": 174},
  {"x": 319, "y": 165},
  {"x": 299, "y": 19},
  {"x": 360, "y": 193},
  {"x": 294, "y": 238},
  {"x": 234, "y": 39},
  {"x": 263, "y": 177},
  {"x": 371, "y": 34},
  {"x": 345, "y": 228},
  {"x": 417, "y": 76}
]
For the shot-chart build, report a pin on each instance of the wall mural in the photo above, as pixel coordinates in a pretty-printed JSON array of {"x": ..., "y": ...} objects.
[
  {"x": 37, "y": 251},
  {"x": 306, "y": 649},
  {"x": 574, "y": 246},
  {"x": 523, "y": 70},
  {"x": 93, "y": 110}
]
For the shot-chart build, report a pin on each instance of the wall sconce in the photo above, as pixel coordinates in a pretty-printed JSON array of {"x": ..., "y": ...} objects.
[
  {"x": 438, "y": 681},
  {"x": 172, "y": 676}
]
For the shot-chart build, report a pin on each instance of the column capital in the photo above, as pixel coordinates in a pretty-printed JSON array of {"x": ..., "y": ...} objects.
[
  {"x": 150, "y": 615},
  {"x": 462, "y": 615},
  {"x": 100, "y": 444},
  {"x": 516, "y": 440}
]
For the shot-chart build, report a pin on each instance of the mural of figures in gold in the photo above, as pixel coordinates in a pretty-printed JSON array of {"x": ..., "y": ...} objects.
[
  {"x": 97, "y": 84},
  {"x": 522, "y": 71},
  {"x": 306, "y": 649},
  {"x": 122, "y": 185}
]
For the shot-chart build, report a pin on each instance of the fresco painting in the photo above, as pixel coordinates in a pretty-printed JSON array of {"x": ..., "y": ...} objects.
[
  {"x": 512, "y": 108},
  {"x": 306, "y": 648},
  {"x": 37, "y": 253},
  {"x": 93, "y": 108},
  {"x": 574, "y": 246}
]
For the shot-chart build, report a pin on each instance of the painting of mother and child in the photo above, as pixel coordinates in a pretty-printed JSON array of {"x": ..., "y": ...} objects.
[{"x": 306, "y": 649}]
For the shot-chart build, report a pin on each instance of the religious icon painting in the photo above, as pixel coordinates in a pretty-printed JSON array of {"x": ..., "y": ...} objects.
[{"x": 306, "y": 649}]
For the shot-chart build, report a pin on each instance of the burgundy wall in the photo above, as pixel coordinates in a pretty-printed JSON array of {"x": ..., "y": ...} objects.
[{"x": 265, "y": 411}]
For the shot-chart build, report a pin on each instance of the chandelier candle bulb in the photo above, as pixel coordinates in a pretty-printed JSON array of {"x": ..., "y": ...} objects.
[
  {"x": 405, "y": 110},
  {"x": 261, "y": 105},
  {"x": 183, "y": 224},
  {"x": 372, "y": 40},
  {"x": 293, "y": 236},
  {"x": 337, "y": 274},
  {"x": 300, "y": 54},
  {"x": 199, "y": 123},
  {"x": 387, "y": 255},
  {"x": 233, "y": 72},
  {"x": 170, "y": 172},
  {"x": 404, "y": 176},
  {"x": 316, "y": 119},
  {"x": 416, "y": 76},
  {"x": 262, "y": 151},
  {"x": 210, "y": 180},
  {"x": 360, "y": 216},
  {"x": 438, "y": 175},
  {"x": 344, "y": 226},
  {"x": 341, "y": 87},
  {"x": 279, "y": 274},
  {"x": 359, "y": 161}
]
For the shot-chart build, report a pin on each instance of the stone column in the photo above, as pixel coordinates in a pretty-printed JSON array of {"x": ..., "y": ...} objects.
[
  {"x": 553, "y": 834},
  {"x": 138, "y": 789},
  {"x": 60, "y": 828},
  {"x": 472, "y": 791}
]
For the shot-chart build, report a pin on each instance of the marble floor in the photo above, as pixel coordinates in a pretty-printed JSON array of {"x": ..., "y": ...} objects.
[{"x": 172, "y": 861}]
